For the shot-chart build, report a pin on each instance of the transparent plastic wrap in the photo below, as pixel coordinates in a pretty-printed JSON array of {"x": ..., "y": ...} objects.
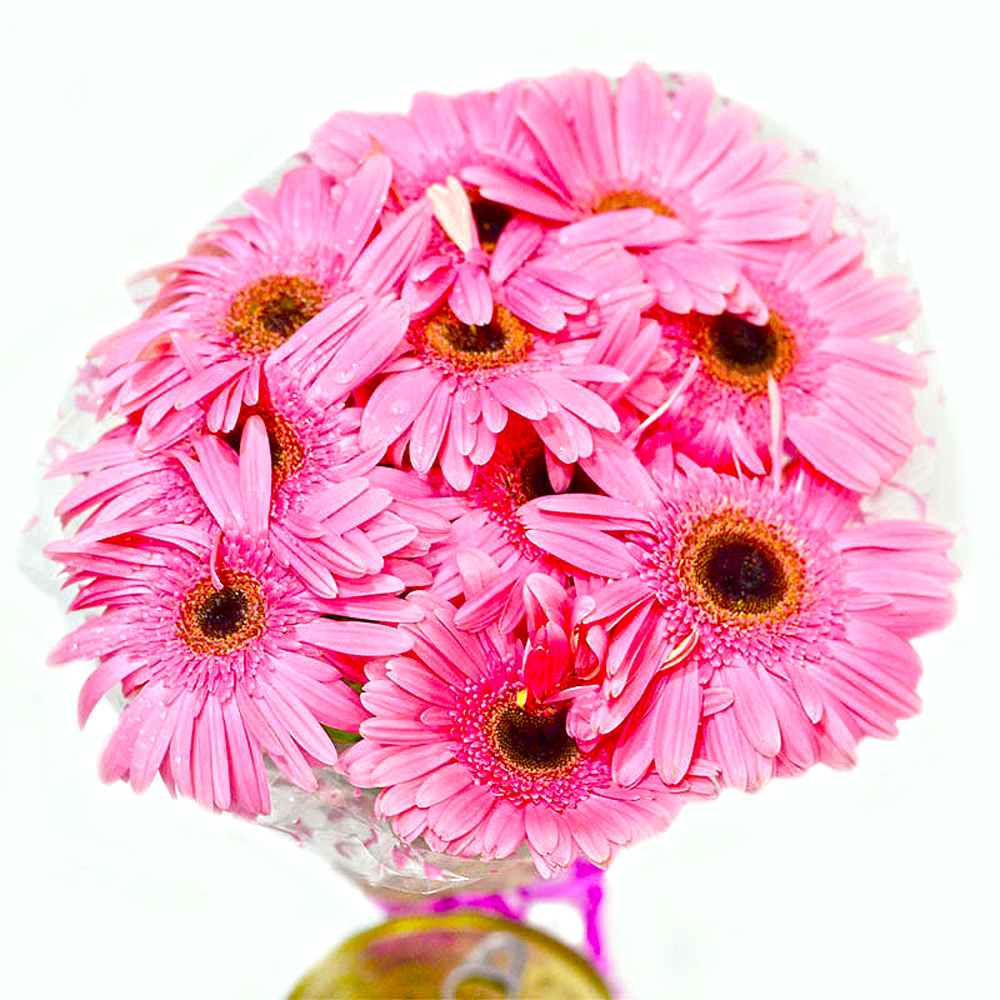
[
  {"x": 929, "y": 486},
  {"x": 339, "y": 821}
]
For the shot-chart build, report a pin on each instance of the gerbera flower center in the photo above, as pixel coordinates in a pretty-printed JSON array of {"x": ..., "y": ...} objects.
[
  {"x": 220, "y": 620},
  {"x": 529, "y": 479},
  {"x": 742, "y": 569},
  {"x": 223, "y": 613},
  {"x": 287, "y": 453},
  {"x": 741, "y": 353},
  {"x": 265, "y": 314},
  {"x": 490, "y": 218},
  {"x": 532, "y": 479},
  {"x": 614, "y": 201},
  {"x": 505, "y": 340},
  {"x": 517, "y": 474},
  {"x": 743, "y": 574},
  {"x": 475, "y": 339},
  {"x": 533, "y": 740}
]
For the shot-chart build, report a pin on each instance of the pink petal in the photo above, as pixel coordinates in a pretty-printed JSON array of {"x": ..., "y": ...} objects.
[
  {"x": 394, "y": 406},
  {"x": 471, "y": 298},
  {"x": 255, "y": 476}
]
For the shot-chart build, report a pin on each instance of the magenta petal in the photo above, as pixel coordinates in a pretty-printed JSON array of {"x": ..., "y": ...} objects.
[
  {"x": 364, "y": 350},
  {"x": 249, "y": 781},
  {"x": 462, "y": 812},
  {"x": 471, "y": 298},
  {"x": 832, "y": 451},
  {"x": 411, "y": 762},
  {"x": 216, "y": 477},
  {"x": 394, "y": 406},
  {"x": 678, "y": 715},
  {"x": 153, "y": 738},
  {"x": 588, "y": 406},
  {"x": 382, "y": 267},
  {"x": 356, "y": 638},
  {"x": 520, "y": 238},
  {"x": 640, "y": 104},
  {"x": 103, "y": 678},
  {"x": 521, "y": 396},
  {"x": 429, "y": 428},
  {"x": 752, "y": 709},
  {"x": 541, "y": 828},
  {"x": 594, "y": 553},
  {"x": 255, "y": 476},
  {"x": 585, "y": 511},
  {"x": 443, "y": 783},
  {"x": 361, "y": 204},
  {"x": 497, "y": 185}
]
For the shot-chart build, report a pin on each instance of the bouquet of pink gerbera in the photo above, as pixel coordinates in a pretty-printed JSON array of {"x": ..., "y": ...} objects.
[{"x": 512, "y": 457}]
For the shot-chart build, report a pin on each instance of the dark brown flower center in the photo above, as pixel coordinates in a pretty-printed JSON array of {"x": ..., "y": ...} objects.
[
  {"x": 465, "y": 347},
  {"x": 743, "y": 575},
  {"x": 582, "y": 483},
  {"x": 223, "y": 613},
  {"x": 742, "y": 353},
  {"x": 222, "y": 619},
  {"x": 743, "y": 569},
  {"x": 614, "y": 201},
  {"x": 745, "y": 347},
  {"x": 486, "y": 339},
  {"x": 531, "y": 480},
  {"x": 490, "y": 218},
  {"x": 534, "y": 740},
  {"x": 534, "y": 479},
  {"x": 265, "y": 314}
]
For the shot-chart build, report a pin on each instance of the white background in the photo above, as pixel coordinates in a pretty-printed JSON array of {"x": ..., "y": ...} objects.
[{"x": 129, "y": 124}]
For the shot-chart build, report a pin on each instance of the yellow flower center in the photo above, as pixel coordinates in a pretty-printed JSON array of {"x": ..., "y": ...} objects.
[
  {"x": 265, "y": 314},
  {"x": 505, "y": 340},
  {"x": 219, "y": 621},
  {"x": 617, "y": 200}
]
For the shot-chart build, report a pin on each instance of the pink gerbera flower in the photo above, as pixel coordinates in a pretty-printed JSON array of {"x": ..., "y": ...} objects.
[
  {"x": 817, "y": 378},
  {"x": 451, "y": 392},
  {"x": 224, "y": 653},
  {"x": 440, "y": 135},
  {"x": 760, "y": 630},
  {"x": 482, "y": 253},
  {"x": 654, "y": 171},
  {"x": 282, "y": 286},
  {"x": 328, "y": 523},
  {"x": 496, "y": 516},
  {"x": 481, "y": 266},
  {"x": 471, "y": 748},
  {"x": 118, "y": 482}
]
